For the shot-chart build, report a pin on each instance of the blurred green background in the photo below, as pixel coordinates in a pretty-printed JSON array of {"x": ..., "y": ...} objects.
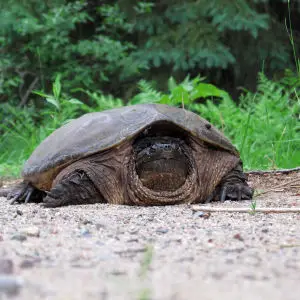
[{"x": 235, "y": 63}]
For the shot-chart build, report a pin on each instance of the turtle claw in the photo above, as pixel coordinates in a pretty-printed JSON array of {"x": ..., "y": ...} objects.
[
  {"x": 24, "y": 192},
  {"x": 29, "y": 193},
  {"x": 19, "y": 193},
  {"x": 223, "y": 193},
  {"x": 14, "y": 200}
]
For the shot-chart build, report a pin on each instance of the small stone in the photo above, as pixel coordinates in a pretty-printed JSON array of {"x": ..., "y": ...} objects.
[
  {"x": 186, "y": 258},
  {"x": 237, "y": 236},
  {"x": 132, "y": 240},
  {"x": 250, "y": 276},
  {"x": 19, "y": 237},
  {"x": 198, "y": 214},
  {"x": 27, "y": 264},
  {"x": 162, "y": 230},
  {"x": 19, "y": 212},
  {"x": 118, "y": 272},
  {"x": 6, "y": 266},
  {"x": 229, "y": 261},
  {"x": 133, "y": 231},
  {"x": 202, "y": 214},
  {"x": 31, "y": 231},
  {"x": 85, "y": 232},
  {"x": 217, "y": 275},
  {"x": 86, "y": 221},
  {"x": 100, "y": 225},
  {"x": 10, "y": 285}
]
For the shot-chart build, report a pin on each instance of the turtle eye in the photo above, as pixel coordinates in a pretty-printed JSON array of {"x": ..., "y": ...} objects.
[{"x": 208, "y": 126}]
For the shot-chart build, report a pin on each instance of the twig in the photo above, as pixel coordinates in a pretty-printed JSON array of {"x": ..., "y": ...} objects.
[
  {"x": 290, "y": 246},
  {"x": 29, "y": 90},
  {"x": 245, "y": 210},
  {"x": 282, "y": 171},
  {"x": 277, "y": 186}
]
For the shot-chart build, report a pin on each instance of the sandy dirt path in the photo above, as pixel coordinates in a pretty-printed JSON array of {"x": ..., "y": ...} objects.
[{"x": 116, "y": 252}]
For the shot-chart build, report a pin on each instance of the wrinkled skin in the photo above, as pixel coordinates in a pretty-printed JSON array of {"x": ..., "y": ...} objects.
[{"x": 148, "y": 171}]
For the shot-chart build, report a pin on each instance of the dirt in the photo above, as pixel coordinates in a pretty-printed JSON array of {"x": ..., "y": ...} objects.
[{"x": 118, "y": 252}]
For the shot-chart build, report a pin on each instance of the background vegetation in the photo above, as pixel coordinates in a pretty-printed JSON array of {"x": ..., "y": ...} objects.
[{"x": 59, "y": 59}]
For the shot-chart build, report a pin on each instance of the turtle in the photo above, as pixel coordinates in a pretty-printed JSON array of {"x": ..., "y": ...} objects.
[{"x": 144, "y": 154}]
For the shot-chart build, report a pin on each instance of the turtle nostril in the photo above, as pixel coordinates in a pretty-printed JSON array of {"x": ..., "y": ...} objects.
[{"x": 167, "y": 147}]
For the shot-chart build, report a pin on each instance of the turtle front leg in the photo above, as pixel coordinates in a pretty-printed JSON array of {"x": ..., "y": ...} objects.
[
  {"x": 233, "y": 186},
  {"x": 24, "y": 192},
  {"x": 74, "y": 188}
]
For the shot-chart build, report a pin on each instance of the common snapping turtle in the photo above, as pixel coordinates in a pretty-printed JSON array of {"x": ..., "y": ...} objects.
[{"x": 147, "y": 154}]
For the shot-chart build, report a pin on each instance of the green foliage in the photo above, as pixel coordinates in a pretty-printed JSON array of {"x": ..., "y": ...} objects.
[
  {"x": 63, "y": 37},
  {"x": 110, "y": 45},
  {"x": 265, "y": 126},
  {"x": 211, "y": 35}
]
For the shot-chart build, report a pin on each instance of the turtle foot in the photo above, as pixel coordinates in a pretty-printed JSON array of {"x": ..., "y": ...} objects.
[
  {"x": 74, "y": 188},
  {"x": 233, "y": 186},
  {"x": 236, "y": 192},
  {"x": 25, "y": 192}
]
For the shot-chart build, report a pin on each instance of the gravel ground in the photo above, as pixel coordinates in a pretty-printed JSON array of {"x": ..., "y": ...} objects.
[{"x": 116, "y": 252}]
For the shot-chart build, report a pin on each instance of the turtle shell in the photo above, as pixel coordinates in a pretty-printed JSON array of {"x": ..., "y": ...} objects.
[{"x": 99, "y": 131}]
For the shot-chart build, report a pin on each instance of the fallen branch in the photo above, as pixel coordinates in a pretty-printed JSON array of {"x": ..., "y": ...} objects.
[
  {"x": 266, "y": 210},
  {"x": 282, "y": 171},
  {"x": 290, "y": 246},
  {"x": 277, "y": 186}
]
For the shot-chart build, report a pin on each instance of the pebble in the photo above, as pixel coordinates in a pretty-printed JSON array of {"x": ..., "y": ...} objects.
[
  {"x": 19, "y": 237},
  {"x": 86, "y": 221},
  {"x": 201, "y": 214},
  {"x": 162, "y": 230},
  {"x": 85, "y": 232},
  {"x": 10, "y": 285},
  {"x": 250, "y": 276},
  {"x": 100, "y": 225},
  {"x": 6, "y": 266},
  {"x": 27, "y": 264},
  {"x": 19, "y": 212},
  {"x": 237, "y": 236},
  {"x": 31, "y": 231}
]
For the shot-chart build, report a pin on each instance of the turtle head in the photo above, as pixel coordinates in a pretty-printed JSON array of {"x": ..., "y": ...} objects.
[{"x": 161, "y": 162}]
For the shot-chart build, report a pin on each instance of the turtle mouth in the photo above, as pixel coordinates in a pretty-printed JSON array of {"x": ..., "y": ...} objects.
[{"x": 161, "y": 163}]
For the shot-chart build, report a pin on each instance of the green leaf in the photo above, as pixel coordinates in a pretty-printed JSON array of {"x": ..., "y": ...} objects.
[
  {"x": 205, "y": 90},
  {"x": 165, "y": 99},
  {"x": 57, "y": 87},
  {"x": 53, "y": 101},
  {"x": 75, "y": 101},
  {"x": 171, "y": 83},
  {"x": 41, "y": 94}
]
